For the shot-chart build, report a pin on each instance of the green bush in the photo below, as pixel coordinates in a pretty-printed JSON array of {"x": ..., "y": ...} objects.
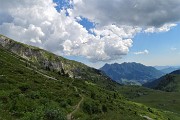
[
  {"x": 34, "y": 95},
  {"x": 91, "y": 107},
  {"x": 53, "y": 114},
  {"x": 104, "y": 108},
  {"x": 63, "y": 104},
  {"x": 93, "y": 95},
  {"x": 24, "y": 87},
  {"x": 69, "y": 101}
]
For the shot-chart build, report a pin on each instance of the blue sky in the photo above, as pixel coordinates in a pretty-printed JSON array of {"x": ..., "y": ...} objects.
[
  {"x": 164, "y": 47},
  {"x": 96, "y": 32}
]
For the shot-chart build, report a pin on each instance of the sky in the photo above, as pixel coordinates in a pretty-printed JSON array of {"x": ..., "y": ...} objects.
[{"x": 96, "y": 32}]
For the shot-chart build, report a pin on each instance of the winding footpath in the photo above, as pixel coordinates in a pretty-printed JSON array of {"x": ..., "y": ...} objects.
[{"x": 69, "y": 116}]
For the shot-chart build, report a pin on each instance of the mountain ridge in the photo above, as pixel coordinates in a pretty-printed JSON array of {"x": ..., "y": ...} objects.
[{"x": 131, "y": 71}]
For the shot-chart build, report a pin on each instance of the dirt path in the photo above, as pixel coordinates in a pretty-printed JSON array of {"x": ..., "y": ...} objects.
[
  {"x": 69, "y": 116},
  {"x": 49, "y": 77}
]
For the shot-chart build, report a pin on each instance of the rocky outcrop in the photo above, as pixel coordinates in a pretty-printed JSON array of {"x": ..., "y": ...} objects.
[{"x": 44, "y": 59}]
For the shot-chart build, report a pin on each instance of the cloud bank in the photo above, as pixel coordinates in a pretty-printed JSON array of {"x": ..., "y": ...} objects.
[
  {"x": 130, "y": 12},
  {"x": 38, "y": 23}
]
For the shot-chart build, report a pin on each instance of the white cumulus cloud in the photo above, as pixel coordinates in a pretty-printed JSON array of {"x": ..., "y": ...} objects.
[
  {"x": 164, "y": 28},
  {"x": 38, "y": 23}
]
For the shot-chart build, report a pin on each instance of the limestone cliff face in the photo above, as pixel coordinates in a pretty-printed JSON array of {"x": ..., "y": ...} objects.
[
  {"x": 48, "y": 61},
  {"x": 44, "y": 59}
]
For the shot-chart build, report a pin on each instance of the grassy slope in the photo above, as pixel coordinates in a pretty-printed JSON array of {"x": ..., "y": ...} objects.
[
  {"x": 177, "y": 82},
  {"x": 170, "y": 83},
  {"x": 166, "y": 101},
  {"x": 28, "y": 93}
]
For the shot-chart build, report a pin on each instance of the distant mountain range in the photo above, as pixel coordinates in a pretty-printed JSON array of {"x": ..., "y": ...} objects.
[
  {"x": 131, "y": 73},
  {"x": 169, "y": 82},
  {"x": 167, "y": 69}
]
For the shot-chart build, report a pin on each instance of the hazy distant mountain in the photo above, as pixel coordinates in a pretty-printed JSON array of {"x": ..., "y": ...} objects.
[
  {"x": 165, "y": 67},
  {"x": 169, "y": 82},
  {"x": 131, "y": 73},
  {"x": 169, "y": 69},
  {"x": 161, "y": 67}
]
